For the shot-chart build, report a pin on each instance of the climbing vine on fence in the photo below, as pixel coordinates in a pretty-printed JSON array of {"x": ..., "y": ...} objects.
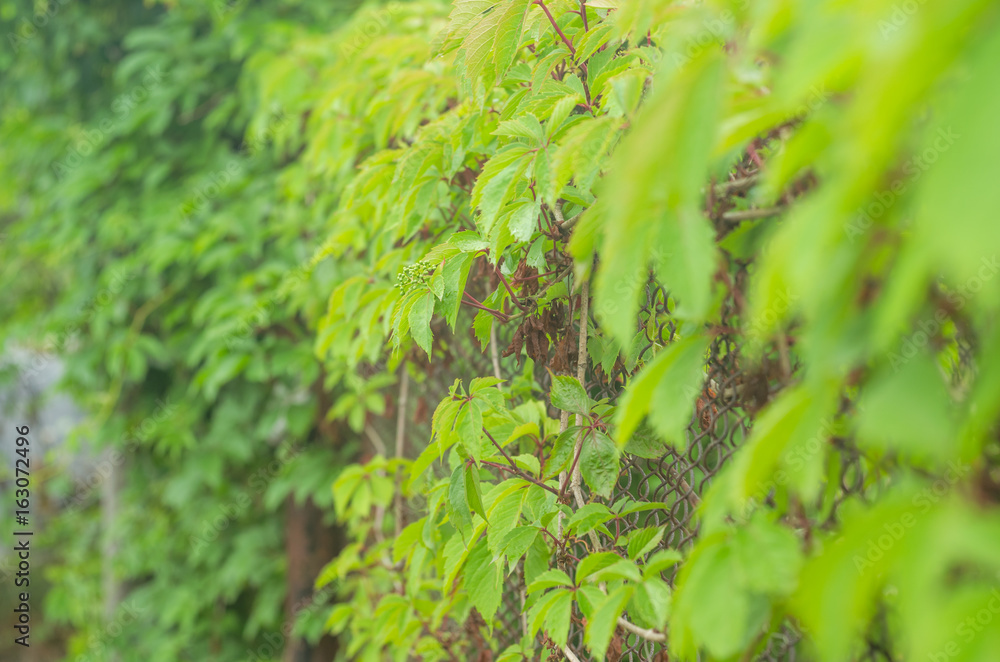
[{"x": 655, "y": 221}]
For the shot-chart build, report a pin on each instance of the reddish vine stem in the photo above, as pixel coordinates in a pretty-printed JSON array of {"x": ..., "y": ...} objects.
[
  {"x": 500, "y": 448},
  {"x": 470, "y": 300},
  {"x": 519, "y": 474},
  {"x": 513, "y": 297},
  {"x": 583, "y": 15},
  {"x": 552, "y": 20}
]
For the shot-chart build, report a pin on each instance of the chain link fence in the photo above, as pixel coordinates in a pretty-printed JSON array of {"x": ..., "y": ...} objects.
[{"x": 720, "y": 423}]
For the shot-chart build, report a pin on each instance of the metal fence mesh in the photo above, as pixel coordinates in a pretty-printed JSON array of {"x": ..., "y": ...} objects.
[{"x": 720, "y": 423}]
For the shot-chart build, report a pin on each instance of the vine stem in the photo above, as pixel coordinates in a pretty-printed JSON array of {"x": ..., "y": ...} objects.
[
  {"x": 513, "y": 297},
  {"x": 575, "y": 485},
  {"x": 570, "y": 655},
  {"x": 751, "y": 214},
  {"x": 495, "y": 351},
  {"x": 563, "y": 418},
  {"x": 404, "y": 390},
  {"x": 470, "y": 300},
  {"x": 649, "y": 635},
  {"x": 581, "y": 371},
  {"x": 520, "y": 474},
  {"x": 552, "y": 20}
]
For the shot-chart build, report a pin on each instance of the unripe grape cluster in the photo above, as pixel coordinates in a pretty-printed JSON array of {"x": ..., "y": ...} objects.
[{"x": 414, "y": 275}]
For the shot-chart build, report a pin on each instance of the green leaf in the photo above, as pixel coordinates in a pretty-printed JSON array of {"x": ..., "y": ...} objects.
[
  {"x": 504, "y": 515},
  {"x": 420, "y": 321},
  {"x": 482, "y": 383},
  {"x": 483, "y": 580},
  {"x": 549, "y": 579},
  {"x": 602, "y": 626},
  {"x": 672, "y": 380},
  {"x": 540, "y": 610},
  {"x": 651, "y": 601},
  {"x": 908, "y": 410},
  {"x": 587, "y": 517},
  {"x": 567, "y": 394},
  {"x": 594, "y": 562},
  {"x": 660, "y": 561},
  {"x": 523, "y": 220},
  {"x": 769, "y": 555},
  {"x": 709, "y": 603},
  {"x": 456, "y": 551},
  {"x": 516, "y": 544},
  {"x": 473, "y": 493},
  {"x": 528, "y": 463},
  {"x": 558, "y": 617},
  {"x": 562, "y": 450},
  {"x": 458, "y": 504},
  {"x": 620, "y": 569},
  {"x": 599, "y": 462},
  {"x": 408, "y": 538},
  {"x": 645, "y": 443},
  {"x": 469, "y": 428},
  {"x": 536, "y": 561},
  {"x": 656, "y": 214},
  {"x": 454, "y": 276},
  {"x": 495, "y": 184},
  {"x": 643, "y": 541}
]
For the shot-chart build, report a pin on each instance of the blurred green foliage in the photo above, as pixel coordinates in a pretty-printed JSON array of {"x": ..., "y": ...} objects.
[{"x": 270, "y": 215}]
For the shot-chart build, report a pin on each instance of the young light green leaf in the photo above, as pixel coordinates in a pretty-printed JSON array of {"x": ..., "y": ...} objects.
[
  {"x": 549, "y": 579},
  {"x": 673, "y": 381},
  {"x": 594, "y": 562},
  {"x": 605, "y": 620},
  {"x": 642, "y": 541},
  {"x": 483, "y": 580}
]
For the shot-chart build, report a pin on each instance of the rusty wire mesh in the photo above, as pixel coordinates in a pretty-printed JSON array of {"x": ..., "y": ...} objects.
[{"x": 719, "y": 424}]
